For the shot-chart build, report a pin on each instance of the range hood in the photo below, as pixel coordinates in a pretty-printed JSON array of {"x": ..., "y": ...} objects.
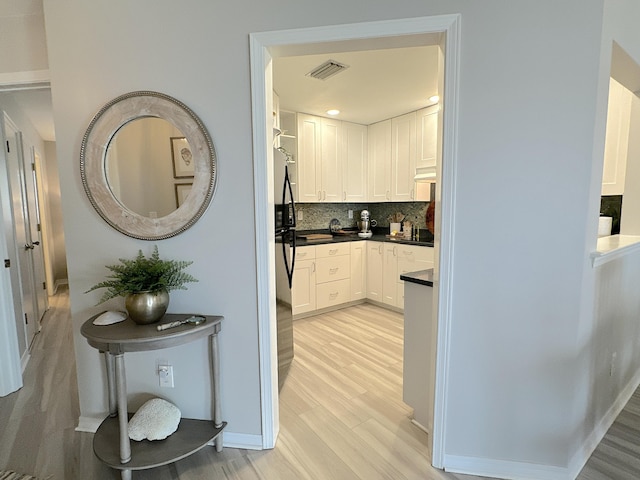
[{"x": 425, "y": 175}]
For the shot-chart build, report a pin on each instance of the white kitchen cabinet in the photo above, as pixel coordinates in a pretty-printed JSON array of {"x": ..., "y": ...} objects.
[
  {"x": 411, "y": 258},
  {"x": 309, "y": 155},
  {"x": 333, "y": 276},
  {"x": 616, "y": 139},
  {"x": 303, "y": 289},
  {"x": 380, "y": 161},
  {"x": 319, "y": 159},
  {"x": 358, "y": 270},
  {"x": 390, "y": 274},
  {"x": 354, "y": 162},
  {"x": 289, "y": 142},
  {"x": 403, "y": 157},
  {"x": 427, "y": 136},
  {"x": 375, "y": 255}
]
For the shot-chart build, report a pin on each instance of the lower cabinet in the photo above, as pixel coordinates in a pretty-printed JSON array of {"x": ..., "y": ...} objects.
[
  {"x": 337, "y": 273},
  {"x": 303, "y": 289}
]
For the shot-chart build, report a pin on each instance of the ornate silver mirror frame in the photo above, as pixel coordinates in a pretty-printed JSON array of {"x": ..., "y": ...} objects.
[{"x": 106, "y": 123}]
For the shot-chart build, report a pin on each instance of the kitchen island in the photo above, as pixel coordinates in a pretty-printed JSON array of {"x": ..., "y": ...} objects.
[{"x": 420, "y": 329}]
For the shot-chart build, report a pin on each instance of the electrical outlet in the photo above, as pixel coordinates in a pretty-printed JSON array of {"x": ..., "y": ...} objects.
[
  {"x": 165, "y": 372},
  {"x": 300, "y": 215},
  {"x": 350, "y": 214}
]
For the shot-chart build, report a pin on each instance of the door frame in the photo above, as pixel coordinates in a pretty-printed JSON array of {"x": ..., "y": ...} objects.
[{"x": 262, "y": 45}]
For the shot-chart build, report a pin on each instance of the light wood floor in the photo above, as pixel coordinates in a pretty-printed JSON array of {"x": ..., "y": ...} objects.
[{"x": 341, "y": 413}]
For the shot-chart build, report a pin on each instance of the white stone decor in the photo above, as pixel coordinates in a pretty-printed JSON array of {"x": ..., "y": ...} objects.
[{"x": 155, "y": 420}]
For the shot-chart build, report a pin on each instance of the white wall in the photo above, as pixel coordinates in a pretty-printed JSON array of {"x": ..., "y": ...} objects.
[
  {"x": 52, "y": 192},
  {"x": 23, "y": 46},
  {"x": 531, "y": 100}
]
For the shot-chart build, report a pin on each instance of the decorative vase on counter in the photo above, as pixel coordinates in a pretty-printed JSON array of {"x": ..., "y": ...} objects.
[{"x": 147, "y": 307}]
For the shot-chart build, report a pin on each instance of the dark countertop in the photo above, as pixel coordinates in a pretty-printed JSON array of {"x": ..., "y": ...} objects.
[
  {"x": 422, "y": 277},
  {"x": 377, "y": 237}
]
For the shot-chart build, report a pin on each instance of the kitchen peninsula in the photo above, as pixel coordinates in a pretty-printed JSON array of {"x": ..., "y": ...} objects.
[{"x": 420, "y": 330}]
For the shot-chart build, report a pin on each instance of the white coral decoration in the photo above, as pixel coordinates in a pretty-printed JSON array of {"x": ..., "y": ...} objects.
[{"x": 155, "y": 420}]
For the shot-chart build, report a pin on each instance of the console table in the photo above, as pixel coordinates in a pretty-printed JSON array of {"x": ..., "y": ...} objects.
[{"x": 111, "y": 442}]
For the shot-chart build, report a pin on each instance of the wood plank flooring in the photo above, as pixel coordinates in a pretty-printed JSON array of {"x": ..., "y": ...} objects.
[{"x": 341, "y": 413}]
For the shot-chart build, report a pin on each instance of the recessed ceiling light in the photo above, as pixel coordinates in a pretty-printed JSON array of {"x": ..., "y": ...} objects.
[
  {"x": 333, "y": 112},
  {"x": 434, "y": 99}
]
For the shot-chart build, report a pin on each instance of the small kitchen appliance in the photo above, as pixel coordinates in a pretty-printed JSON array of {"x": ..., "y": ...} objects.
[{"x": 364, "y": 224}]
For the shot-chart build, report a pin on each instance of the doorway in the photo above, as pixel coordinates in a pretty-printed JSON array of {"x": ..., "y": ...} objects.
[{"x": 441, "y": 30}]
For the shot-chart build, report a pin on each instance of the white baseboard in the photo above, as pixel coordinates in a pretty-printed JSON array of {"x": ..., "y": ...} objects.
[
  {"x": 229, "y": 439},
  {"x": 504, "y": 469},
  {"x": 88, "y": 424},
  {"x": 26, "y": 356},
  {"x": 59, "y": 283},
  {"x": 581, "y": 456}
]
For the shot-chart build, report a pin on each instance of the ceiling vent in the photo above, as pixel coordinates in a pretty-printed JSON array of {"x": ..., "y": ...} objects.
[{"x": 327, "y": 69}]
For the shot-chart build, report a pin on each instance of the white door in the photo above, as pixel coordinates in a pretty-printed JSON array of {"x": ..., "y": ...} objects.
[
  {"x": 22, "y": 233},
  {"x": 35, "y": 229}
]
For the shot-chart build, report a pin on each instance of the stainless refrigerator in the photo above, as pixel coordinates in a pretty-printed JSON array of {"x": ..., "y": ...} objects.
[{"x": 285, "y": 254}]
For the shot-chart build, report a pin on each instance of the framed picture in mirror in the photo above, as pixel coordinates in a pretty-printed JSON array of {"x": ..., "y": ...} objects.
[
  {"x": 182, "y": 192},
  {"x": 182, "y": 158}
]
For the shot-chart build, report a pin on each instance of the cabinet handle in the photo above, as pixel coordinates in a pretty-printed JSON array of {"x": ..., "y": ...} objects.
[
  {"x": 333, "y": 251},
  {"x": 407, "y": 253},
  {"x": 324, "y": 195},
  {"x": 319, "y": 195},
  {"x": 313, "y": 267},
  {"x": 333, "y": 271},
  {"x": 333, "y": 295},
  {"x": 394, "y": 250},
  {"x": 412, "y": 194},
  {"x": 344, "y": 195},
  {"x": 380, "y": 249},
  {"x": 388, "y": 195}
]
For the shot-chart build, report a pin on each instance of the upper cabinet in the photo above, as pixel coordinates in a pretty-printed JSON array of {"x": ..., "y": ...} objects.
[
  {"x": 354, "y": 162},
  {"x": 616, "y": 139},
  {"x": 380, "y": 161},
  {"x": 346, "y": 162},
  {"x": 403, "y": 157},
  {"x": 320, "y": 159}
]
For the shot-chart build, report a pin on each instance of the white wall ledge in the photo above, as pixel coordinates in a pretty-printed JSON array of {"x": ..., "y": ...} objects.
[{"x": 613, "y": 247}]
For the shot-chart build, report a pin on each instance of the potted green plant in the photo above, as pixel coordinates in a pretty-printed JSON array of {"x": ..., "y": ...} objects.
[{"x": 145, "y": 283}]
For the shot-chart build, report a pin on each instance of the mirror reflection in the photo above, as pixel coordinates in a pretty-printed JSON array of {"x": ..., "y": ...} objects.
[{"x": 149, "y": 167}]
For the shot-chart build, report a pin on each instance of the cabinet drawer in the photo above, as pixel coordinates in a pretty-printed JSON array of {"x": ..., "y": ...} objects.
[
  {"x": 330, "y": 269},
  {"x": 306, "y": 253},
  {"x": 413, "y": 258},
  {"x": 333, "y": 293},
  {"x": 332, "y": 250}
]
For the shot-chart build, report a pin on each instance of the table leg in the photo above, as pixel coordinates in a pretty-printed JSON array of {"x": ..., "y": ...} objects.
[
  {"x": 125, "y": 474},
  {"x": 111, "y": 384},
  {"x": 217, "y": 411},
  {"x": 123, "y": 419}
]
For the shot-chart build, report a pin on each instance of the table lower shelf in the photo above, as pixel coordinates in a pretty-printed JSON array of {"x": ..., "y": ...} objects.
[{"x": 190, "y": 437}]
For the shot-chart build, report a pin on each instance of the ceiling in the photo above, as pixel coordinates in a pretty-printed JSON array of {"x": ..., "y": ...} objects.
[{"x": 378, "y": 84}]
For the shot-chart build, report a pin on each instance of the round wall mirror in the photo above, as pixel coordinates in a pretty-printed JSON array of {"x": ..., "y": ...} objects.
[{"x": 148, "y": 165}]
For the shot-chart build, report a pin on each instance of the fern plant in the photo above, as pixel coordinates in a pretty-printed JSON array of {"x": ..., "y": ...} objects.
[{"x": 144, "y": 274}]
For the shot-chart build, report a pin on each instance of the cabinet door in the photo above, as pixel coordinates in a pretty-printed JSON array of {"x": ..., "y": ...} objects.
[
  {"x": 616, "y": 139},
  {"x": 380, "y": 161},
  {"x": 333, "y": 293},
  {"x": 390, "y": 274},
  {"x": 358, "y": 270},
  {"x": 427, "y": 136},
  {"x": 334, "y": 268},
  {"x": 330, "y": 171},
  {"x": 303, "y": 290},
  {"x": 309, "y": 155},
  {"x": 374, "y": 270},
  {"x": 354, "y": 162},
  {"x": 403, "y": 157}
]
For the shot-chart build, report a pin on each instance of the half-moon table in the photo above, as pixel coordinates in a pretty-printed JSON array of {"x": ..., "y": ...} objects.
[{"x": 111, "y": 442}]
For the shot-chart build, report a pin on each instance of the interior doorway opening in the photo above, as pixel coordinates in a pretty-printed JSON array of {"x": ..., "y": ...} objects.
[{"x": 442, "y": 31}]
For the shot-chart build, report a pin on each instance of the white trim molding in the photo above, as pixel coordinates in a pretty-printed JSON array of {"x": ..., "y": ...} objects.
[
  {"x": 485, "y": 467},
  {"x": 263, "y": 45},
  {"x": 25, "y": 80}
]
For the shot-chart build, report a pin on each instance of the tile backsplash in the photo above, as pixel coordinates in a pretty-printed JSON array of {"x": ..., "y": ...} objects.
[{"x": 316, "y": 216}]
